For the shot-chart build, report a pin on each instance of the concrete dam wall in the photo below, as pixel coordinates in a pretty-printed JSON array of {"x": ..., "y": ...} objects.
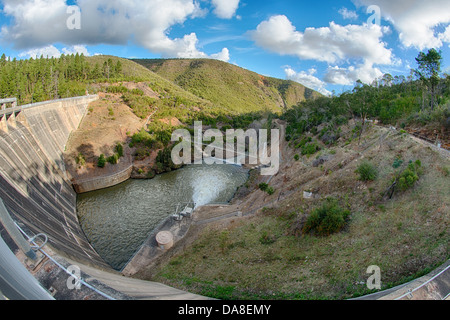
[{"x": 33, "y": 182}]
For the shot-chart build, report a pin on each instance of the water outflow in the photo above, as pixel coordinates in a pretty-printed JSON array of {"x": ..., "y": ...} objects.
[{"x": 118, "y": 220}]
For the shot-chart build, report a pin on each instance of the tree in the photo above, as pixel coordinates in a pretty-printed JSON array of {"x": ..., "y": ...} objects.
[
  {"x": 118, "y": 68},
  {"x": 429, "y": 71},
  {"x": 365, "y": 99},
  {"x": 101, "y": 161}
]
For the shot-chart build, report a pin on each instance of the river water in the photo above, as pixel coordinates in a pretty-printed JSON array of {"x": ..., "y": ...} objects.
[{"x": 119, "y": 219}]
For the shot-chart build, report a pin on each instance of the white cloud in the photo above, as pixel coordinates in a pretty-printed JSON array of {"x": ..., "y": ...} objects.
[
  {"x": 348, "y": 76},
  {"x": 328, "y": 44},
  {"x": 224, "y": 55},
  {"x": 360, "y": 45},
  {"x": 225, "y": 9},
  {"x": 445, "y": 36},
  {"x": 307, "y": 79},
  {"x": 415, "y": 20},
  {"x": 348, "y": 14},
  {"x": 76, "y": 49},
  {"x": 47, "y": 52},
  {"x": 40, "y": 23},
  {"x": 53, "y": 52}
]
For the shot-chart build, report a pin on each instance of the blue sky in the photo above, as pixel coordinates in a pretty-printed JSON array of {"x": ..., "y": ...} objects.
[{"x": 326, "y": 45}]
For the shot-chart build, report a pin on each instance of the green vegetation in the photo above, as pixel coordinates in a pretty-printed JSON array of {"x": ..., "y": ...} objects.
[
  {"x": 229, "y": 87},
  {"x": 80, "y": 160},
  {"x": 142, "y": 106},
  {"x": 398, "y": 162},
  {"x": 408, "y": 177},
  {"x": 114, "y": 159},
  {"x": 327, "y": 219},
  {"x": 310, "y": 148},
  {"x": 36, "y": 80},
  {"x": 119, "y": 150},
  {"x": 117, "y": 89},
  {"x": 164, "y": 161},
  {"x": 266, "y": 188},
  {"x": 284, "y": 252},
  {"x": 422, "y": 99},
  {"x": 429, "y": 72},
  {"x": 101, "y": 161},
  {"x": 367, "y": 171}
]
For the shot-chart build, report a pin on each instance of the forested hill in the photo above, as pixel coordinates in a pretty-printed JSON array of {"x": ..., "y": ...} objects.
[
  {"x": 35, "y": 80},
  {"x": 226, "y": 87},
  {"x": 230, "y": 86},
  {"x": 409, "y": 104}
]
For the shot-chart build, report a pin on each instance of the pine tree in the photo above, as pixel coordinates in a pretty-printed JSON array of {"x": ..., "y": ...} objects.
[{"x": 429, "y": 71}]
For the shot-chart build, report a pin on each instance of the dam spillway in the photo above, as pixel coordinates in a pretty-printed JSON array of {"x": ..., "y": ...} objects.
[
  {"x": 33, "y": 182},
  {"x": 118, "y": 220}
]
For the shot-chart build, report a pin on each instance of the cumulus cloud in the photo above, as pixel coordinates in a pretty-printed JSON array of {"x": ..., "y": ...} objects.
[
  {"x": 360, "y": 45},
  {"x": 415, "y": 20},
  {"x": 328, "y": 44},
  {"x": 53, "y": 52},
  {"x": 347, "y": 76},
  {"x": 39, "y": 23},
  {"x": 348, "y": 14},
  {"x": 225, "y": 9},
  {"x": 307, "y": 79},
  {"x": 224, "y": 55},
  {"x": 445, "y": 36}
]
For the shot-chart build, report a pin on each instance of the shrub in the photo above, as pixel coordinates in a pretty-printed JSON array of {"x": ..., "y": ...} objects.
[
  {"x": 327, "y": 219},
  {"x": 397, "y": 163},
  {"x": 117, "y": 89},
  {"x": 137, "y": 92},
  {"x": 296, "y": 157},
  {"x": 409, "y": 176},
  {"x": 303, "y": 142},
  {"x": 310, "y": 149},
  {"x": 119, "y": 150},
  {"x": 367, "y": 171},
  {"x": 142, "y": 137},
  {"x": 266, "y": 188},
  {"x": 114, "y": 159},
  {"x": 80, "y": 160},
  {"x": 164, "y": 136},
  {"x": 101, "y": 161}
]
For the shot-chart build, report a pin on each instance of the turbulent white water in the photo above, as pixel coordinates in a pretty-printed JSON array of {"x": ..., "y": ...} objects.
[
  {"x": 119, "y": 219},
  {"x": 214, "y": 184}
]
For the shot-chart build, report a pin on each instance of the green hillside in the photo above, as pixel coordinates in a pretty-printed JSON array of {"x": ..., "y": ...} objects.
[
  {"x": 230, "y": 87},
  {"x": 212, "y": 91}
]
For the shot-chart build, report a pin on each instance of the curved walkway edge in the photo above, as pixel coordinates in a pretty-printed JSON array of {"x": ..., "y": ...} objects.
[
  {"x": 138, "y": 289},
  {"x": 433, "y": 286}
]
